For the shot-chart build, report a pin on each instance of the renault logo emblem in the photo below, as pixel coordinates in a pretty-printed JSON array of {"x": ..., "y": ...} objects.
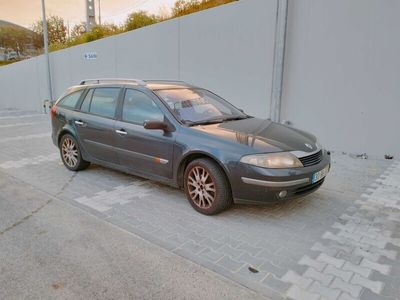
[{"x": 308, "y": 146}]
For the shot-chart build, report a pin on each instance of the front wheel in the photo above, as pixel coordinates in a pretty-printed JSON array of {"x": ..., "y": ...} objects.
[
  {"x": 71, "y": 154},
  {"x": 207, "y": 187}
]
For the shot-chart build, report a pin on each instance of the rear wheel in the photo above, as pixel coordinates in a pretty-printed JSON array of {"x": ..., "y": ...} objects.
[
  {"x": 71, "y": 154},
  {"x": 206, "y": 187}
]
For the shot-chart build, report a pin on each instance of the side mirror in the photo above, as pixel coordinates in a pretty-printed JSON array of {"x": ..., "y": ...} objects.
[{"x": 154, "y": 125}]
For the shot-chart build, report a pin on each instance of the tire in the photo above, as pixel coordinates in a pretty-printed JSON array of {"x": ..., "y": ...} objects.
[
  {"x": 207, "y": 187},
  {"x": 71, "y": 154}
]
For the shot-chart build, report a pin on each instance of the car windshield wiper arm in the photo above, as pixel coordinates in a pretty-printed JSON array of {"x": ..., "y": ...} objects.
[
  {"x": 205, "y": 122},
  {"x": 234, "y": 118}
]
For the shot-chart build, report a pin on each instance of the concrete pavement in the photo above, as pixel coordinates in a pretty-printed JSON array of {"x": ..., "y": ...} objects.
[{"x": 52, "y": 250}]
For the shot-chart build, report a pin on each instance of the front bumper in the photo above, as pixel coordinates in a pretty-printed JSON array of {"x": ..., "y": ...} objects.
[{"x": 251, "y": 184}]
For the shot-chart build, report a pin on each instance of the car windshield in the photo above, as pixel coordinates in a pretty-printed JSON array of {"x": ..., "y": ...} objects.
[{"x": 198, "y": 106}]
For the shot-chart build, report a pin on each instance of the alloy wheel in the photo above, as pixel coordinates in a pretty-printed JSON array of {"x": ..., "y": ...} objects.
[
  {"x": 201, "y": 187},
  {"x": 70, "y": 152}
]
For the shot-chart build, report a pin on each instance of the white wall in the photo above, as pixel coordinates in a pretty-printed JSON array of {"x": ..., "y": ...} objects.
[
  {"x": 342, "y": 73},
  {"x": 341, "y": 77},
  {"x": 218, "y": 49}
]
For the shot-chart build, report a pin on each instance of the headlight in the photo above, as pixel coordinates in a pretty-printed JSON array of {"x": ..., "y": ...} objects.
[{"x": 280, "y": 160}]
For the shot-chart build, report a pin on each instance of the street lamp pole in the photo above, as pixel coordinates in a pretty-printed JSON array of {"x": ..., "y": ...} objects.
[
  {"x": 46, "y": 50},
  {"x": 99, "y": 14}
]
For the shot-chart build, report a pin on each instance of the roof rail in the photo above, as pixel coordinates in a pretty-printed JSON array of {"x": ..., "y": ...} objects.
[{"x": 104, "y": 80}]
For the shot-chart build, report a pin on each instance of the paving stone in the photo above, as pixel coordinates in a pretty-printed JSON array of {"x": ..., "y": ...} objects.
[
  {"x": 384, "y": 269},
  {"x": 325, "y": 279},
  {"x": 350, "y": 235},
  {"x": 232, "y": 252},
  {"x": 229, "y": 241},
  {"x": 177, "y": 240},
  {"x": 345, "y": 296},
  {"x": 374, "y": 286},
  {"x": 191, "y": 247},
  {"x": 338, "y": 263},
  {"x": 374, "y": 242},
  {"x": 299, "y": 294},
  {"x": 352, "y": 289},
  {"x": 249, "y": 249},
  {"x": 325, "y": 292},
  {"x": 276, "y": 284},
  {"x": 354, "y": 259},
  {"x": 321, "y": 248},
  {"x": 230, "y": 264},
  {"x": 251, "y": 260},
  {"x": 296, "y": 279},
  {"x": 307, "y": 261},
  {"x": 271, "y": 268},
  {"x": 195, "y": 237},
  {"x": 211, "y": 255},
  {"x": 356, "y": 269},
  {"x": 344, "y": 275},
  {"x": 210, "y": 243},
  {"x": 368, "y": 295}
]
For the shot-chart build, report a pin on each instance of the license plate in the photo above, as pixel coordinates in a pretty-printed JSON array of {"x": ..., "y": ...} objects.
[{"x": 317, "y": 176}]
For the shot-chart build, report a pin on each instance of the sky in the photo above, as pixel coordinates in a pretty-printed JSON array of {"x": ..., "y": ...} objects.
[{"x": 25, "y": 12}]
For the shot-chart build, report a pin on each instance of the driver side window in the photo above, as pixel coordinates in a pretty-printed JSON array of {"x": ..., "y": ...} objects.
[{"x": 139, "y": 107}]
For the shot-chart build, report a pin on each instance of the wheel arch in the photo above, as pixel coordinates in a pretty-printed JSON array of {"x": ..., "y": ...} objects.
[
  {"x": 189, "y": 157},
  {"x": 63, "y": 132}
]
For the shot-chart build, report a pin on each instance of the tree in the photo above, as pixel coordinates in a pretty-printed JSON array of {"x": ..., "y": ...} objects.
[
  {"x": 139, "y": 19},
  {"x": 100, "y": 31},
  {"x": 78, "y": 30},
  {"x": 14, "y": 38},
  {"x": 185, "y": 7},
  {"x": 56, "y": 29}
]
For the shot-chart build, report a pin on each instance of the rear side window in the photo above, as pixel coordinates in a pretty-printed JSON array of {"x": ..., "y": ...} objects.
[
  {"x": 139, "y": 107},
  {"x": 104, "y": 102},
  {"x": 70, "y": 100}
]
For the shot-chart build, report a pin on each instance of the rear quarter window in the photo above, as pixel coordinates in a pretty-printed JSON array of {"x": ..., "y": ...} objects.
[{"x": 70, "y": 100}]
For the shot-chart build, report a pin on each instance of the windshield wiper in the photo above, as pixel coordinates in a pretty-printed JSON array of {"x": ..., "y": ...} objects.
[
  {"x": 215, "y": 120},
  {"x": 234, "y": 118},
  {"x": 205, "y": 122}
]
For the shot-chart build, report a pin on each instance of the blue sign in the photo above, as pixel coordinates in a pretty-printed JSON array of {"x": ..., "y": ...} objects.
[{"x": 90, "y": 55}]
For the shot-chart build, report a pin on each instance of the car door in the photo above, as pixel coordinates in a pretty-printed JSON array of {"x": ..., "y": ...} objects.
[
  {"x": 143, "y": 151},
  {"x": 95, "y": 122}
]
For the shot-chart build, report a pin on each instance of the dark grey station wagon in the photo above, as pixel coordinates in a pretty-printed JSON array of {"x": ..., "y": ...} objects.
[{"x": 186, "y": 137}]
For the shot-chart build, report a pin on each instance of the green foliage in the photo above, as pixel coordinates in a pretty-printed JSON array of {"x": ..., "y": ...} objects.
[
  {"x": 78, "y": 30},
  {"x": 3, "y": 63},
  {"x": 185, "y": 7},
  {"x": 14, "y": 38},
  {"x": 139, "y": 19},
  {"x": 97, "y": 32},
  {"x": 57, "y": 31}
]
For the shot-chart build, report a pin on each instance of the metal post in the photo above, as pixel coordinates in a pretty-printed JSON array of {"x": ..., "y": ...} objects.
[
  {"x": 99, "y": 14},
  {"x": 90, "y": 15},
  {"x": 279, "y": 57},
  {"x": 46, "y": 50}
]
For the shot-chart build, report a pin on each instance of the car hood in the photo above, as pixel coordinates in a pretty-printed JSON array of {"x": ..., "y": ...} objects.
[{"x": 261, "y": 135}]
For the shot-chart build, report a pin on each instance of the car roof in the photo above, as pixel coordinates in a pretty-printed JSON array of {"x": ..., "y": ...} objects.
[{"x": 150, "y": 84}]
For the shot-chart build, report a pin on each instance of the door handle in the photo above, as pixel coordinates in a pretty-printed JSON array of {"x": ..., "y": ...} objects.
[
  {"x": 80, "y": 123},
  {"x": 121, "y": 131}
]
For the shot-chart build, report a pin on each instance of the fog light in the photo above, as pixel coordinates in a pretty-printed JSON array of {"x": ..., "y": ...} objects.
[{"x": 282, "y": 194}]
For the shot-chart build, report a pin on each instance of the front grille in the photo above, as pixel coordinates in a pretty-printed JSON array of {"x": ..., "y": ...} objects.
[
  {"x": 308, "y": 188},
  {"x": 311, "y": 159}
]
